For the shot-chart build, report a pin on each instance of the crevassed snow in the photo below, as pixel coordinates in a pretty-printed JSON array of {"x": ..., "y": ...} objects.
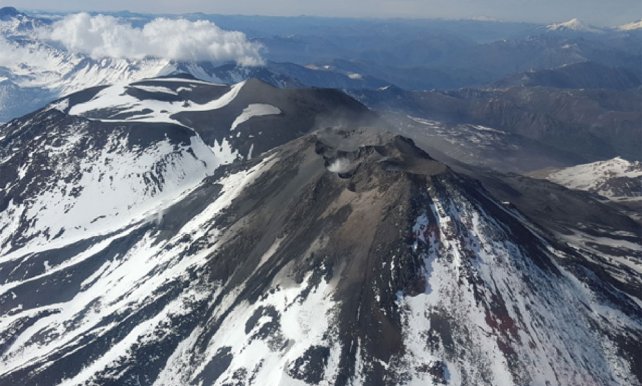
[{"x": 254, "y": 110}]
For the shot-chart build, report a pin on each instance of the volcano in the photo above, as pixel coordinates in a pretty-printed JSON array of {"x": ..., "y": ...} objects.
[{"x": 176, "y": 232}]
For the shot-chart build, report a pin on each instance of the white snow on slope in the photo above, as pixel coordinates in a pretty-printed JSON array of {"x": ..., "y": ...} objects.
[
  {"x": 60, "y": 105},
  {"x": 254, "y": 110},
  {"x": 465, "y": 251},
  {"x": 125, "y": 284},
  {"x": 465, "y": 135},
  {"x": 35, "y": 64},
  {"x": 598, "y": 177},
  {"x": 104, "y": 189},
  {"x": 99, "y": 50},
  {"x": 636, "y": 25},
  {"x": 304, "y": 320},
  {"x": 459, "y": 240},
  {"x": 155, "y": 89},
  {"x": 628, "y": 254},
  {"x": 171, "y": 79},
  {"x": 572, "y": 25},
  {"x": 116, "y": 99}
]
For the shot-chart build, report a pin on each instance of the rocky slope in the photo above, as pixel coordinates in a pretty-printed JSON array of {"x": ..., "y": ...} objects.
[
  {"x": 616, "y": 178},
  {"x": 136, "y": 249},
  {"x": 92, "y": 157},
  {"x": 584, "y": 125}
]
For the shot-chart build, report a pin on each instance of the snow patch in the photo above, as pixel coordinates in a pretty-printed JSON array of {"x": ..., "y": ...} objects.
[
  {"x": 601, "y": 177},
  {"x": 117, "y": 100},
  {"x": 254, "y": 110},
  {"x": 61, "y": 105}
]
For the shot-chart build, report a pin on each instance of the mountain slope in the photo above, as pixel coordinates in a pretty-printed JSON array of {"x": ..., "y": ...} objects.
[
  {"x": 574, "y": 25},
  {"x": 577, "y": 75},
  {"x": 341, "y": 257},
  {"x": 126, "y": 149},
  {"x": 585, "y": 125},
  {"x": 633, "y": 26},
  {"x": 617, "y": 181},
  {"x": 46, "y": 69},
  {"x": 616, "y": 178}
]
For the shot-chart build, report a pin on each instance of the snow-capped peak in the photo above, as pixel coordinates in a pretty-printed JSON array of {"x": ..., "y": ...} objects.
[
  {"x": 636, "y": 25},
  {"x": 45, "y": 63},
  {"x": 615, "y": 178},
  {"x": 572, "y": 25},
  {"x": 14, "y": 22}
]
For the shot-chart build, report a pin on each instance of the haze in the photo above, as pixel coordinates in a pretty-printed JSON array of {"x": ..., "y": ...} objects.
[{"x": 599, "y": 12}]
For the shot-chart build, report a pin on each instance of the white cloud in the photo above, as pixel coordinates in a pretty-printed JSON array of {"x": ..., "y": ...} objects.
[
  {"x": 106, "y": 36},
  {"x": 21, "y": 57},
  {"x": 10, "y": 53},
  {"x": 340, "y": 165}
]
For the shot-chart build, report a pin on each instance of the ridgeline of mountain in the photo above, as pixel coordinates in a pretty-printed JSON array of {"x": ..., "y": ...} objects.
[
  {"x": 616, "y": 180},
  {"x": 174, "y": 231},
  {"x": 573, "y": 25},
  {"x": 574, "y": 125},
  {"x": 8, "y": 12}
]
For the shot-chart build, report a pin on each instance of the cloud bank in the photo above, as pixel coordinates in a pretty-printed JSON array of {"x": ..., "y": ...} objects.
[
  {"x": 19, "y": 57},
  {"x": 11, "y": 54},
  {"x": 106, "y": 36}
]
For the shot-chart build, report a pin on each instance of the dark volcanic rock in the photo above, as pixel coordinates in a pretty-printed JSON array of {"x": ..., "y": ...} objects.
[{"x": 345, "y": 256}]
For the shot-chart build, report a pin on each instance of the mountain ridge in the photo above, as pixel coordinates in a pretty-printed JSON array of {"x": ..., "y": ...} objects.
[{"x": 406, "y": 271}]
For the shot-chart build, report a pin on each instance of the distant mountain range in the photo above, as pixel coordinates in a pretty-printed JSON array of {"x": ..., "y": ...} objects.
[
  {"x": 349, "y": 55},
  {"x": 633, "y": 26},
  {"x": 41, "y": 71},
  {"x": 583, "y": 75},
  {"x": 574, "y": 25},
  {"x": 577, "y": 25},
  {"x": 559, "y": 125}
]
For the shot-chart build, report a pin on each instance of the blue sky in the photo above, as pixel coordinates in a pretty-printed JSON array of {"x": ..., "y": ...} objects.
[{"x": 599, "y": 12}]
